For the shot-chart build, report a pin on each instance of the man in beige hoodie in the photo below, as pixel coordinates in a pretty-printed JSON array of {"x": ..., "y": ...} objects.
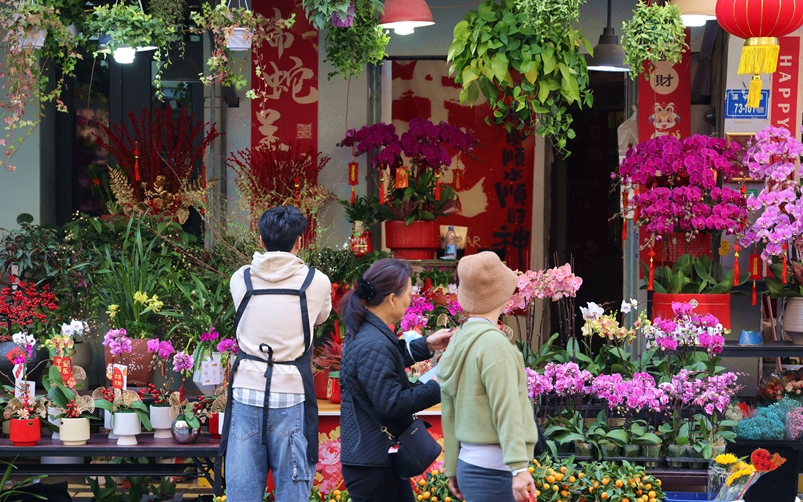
[{"x": 272, "y": 423}]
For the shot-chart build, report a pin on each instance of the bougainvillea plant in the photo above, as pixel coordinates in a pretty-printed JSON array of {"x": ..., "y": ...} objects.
[{"x": 678, "y": 186}]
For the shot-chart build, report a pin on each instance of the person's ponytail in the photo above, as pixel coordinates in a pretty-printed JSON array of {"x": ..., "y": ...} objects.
[
  {"x": 352, "y": 311},
  {"x": 384, "y": 277}
]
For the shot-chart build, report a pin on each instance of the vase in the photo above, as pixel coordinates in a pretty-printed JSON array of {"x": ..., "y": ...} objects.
[
  {"x": 25, "y": 432},
  {"x": 631, "y": 450},
  {"x": 240, "y": 39},
  {"x": 416, "y": 241},
  {"x": 320, "y": 381},
  {"x": 161, "y": 421},
  {"x": 140, "y": 371},
  {"x": 792, "y": 321},
  {"x": 108, "y": 423},
  {"x": 675, "y": 451},
  {"x": 74, "y": 431},
  {"x": 214, "y": 425},
  {"x": 582, "y": 449},
  {"x": 82, "y": 357},
  {"x": 35, "y": 365},
  {"x": 333, "y": 390},
  {"x": 651, "y": 451},
  {"x": 610, "y": 450},
  {"x": 183, "y": 433},
  {"x": 718, "y": 305},
  {"x": 126, "y": 427},
  {"x": 34, "y": 40},
  {"x": 51, "y": 411}
]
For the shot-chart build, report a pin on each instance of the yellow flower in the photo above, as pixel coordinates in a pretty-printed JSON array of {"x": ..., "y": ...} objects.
[
  {"x": 140, "y": 297},
  {"x": 726, "y": 459},
  {"x": 740, "y": 473},
  {"x": 112, "y": 311},
  {"x": 155, "y": 304}
]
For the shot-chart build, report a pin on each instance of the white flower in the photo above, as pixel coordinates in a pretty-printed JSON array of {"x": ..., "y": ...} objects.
[
  {"x": 67, "y": 329},
  {"x": 593, "y": 311},
  {"x": 626, "y": 307},
  {"x": 415, "y": 290},
  {"x": 30, "y": 340},
  {"x": 452, "y": 288},
  {"x": 633, "y": 303},
  {"x": 78, "y": 327},
  {"x": 18, "y": 338}
]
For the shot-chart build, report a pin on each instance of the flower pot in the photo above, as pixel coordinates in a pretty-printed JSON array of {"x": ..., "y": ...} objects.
[
  {"x": 35, "y": 40},
  {"x": 651, "y": 451},
  {"x": 240, "y": 39},
  {"x": 6, "y": 427},
  {"x": 126, "y": 427},
  {"x": 416, "y": 241},
  {"x": 361, "y": 244},
  {"x": 692, "y": 453},
  {"x": 333, "y": 390},
  {"x": 138, "y": 361},
  {"x": 214, "y": 425},
  {"x": 610, "y": 450},
  {"x": 675, "y": 450},
  {"x": 161, "y": 421},
  {"x": 320, "y": 380},
  {"x": 582, "y": 449},
  {"x": 74, "y": 431},
  {"x": 51, "y": 411},
  {"x": 631, "y": 450},
  {"x": 25, "y": 432},
  {"x": 183, "y": 433},
  {"x": 792, "y": 321},
  {"x": 108, "y": 423},
  {"x": 197, "y": 377},
  {"x": 718, "y": 305}
]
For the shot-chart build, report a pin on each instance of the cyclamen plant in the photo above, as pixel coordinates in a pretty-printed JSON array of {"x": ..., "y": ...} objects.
[
  {"x": 779, "y": 205},
  {"x": 678, "y": 185}
]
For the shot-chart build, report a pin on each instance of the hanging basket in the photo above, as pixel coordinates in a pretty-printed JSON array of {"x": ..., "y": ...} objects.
[
  {"x": 35, "y": 40},
  {"x": 240, "y": 40}
]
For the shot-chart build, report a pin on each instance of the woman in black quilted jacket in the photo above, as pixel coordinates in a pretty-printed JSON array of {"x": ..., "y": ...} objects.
[{"x": 373, "y": 381}]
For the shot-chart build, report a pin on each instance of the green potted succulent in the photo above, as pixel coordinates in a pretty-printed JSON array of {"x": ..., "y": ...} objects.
[
  {"x": 524, "y": 57},
  {"x": 350, "y": 48},
  {"x": 35, "y": 37},
  {"x": 655, "y": 33}
]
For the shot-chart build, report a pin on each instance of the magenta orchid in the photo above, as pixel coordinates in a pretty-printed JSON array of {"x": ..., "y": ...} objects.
[
  {"x": 685, "y": 331},
  {"x": 118, "y": 342}
]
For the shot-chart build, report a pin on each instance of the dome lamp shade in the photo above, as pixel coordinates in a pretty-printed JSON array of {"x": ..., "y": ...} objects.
[{"x": 403, "y": 16}]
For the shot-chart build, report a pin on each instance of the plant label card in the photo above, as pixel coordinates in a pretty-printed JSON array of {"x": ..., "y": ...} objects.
[
  {"x": 18, "y": 371},
  {"x": 23, "y": 387},
  {"x": 119, "y": 376},
  {"x": 211, "y": 372},
  {"x": 15, "y": 353},
  {"x": 429, "y": 375},
  {"x": 64, "y": 364}
]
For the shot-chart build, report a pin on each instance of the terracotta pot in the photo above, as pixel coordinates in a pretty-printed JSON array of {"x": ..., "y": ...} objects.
[
  {"x": 333, "y": 390},
  {"x": 214, "y": 424},
  {"x": 126, "y": 427},
  {"x": 320, "y": 380},
  {"x": 717, "y": 305},
  {"x": 26, "y": 432},
  {"x": 416, "y": 241},
  {"x": 138, "y": 362},
  {"x": 74, "y": 431},
  {"x": 161, "y": 421}
]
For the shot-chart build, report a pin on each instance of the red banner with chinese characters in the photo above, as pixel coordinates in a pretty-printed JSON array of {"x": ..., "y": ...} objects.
[
  {"x": 783, "y": 96},
  {"x": 495, "y": 183},
  {"x": 289, "y": 113}
]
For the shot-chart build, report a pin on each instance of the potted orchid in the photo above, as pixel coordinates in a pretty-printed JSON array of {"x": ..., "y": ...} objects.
[
  {"x": 160, "y": 408},
  {"x": 73, "y": 411},
  {"x": 205, "y": 355},
  {"x": 129, "y": 414},
  {"x": 24, "y": 410}
]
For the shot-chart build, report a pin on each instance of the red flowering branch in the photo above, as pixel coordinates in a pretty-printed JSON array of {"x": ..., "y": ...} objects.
[{"x": 25, "y": 306}]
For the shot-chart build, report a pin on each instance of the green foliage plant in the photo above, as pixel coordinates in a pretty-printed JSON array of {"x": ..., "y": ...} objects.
[
  {"x": 25, "y": 67},
  {"x": 10, "y": 492},
  {"x": 362, "y": 209},
  {"x": 655, "y": 33},
  {"x": 524, "y": 57},
  {"x": 350, "y": 49},
  {"x": 693, "y": 275},
  {"x": 69, "y": 403}
]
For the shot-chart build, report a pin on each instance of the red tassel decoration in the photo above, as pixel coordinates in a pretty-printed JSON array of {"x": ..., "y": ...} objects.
[
  {"x": 784, "y": 270},
  {"x": 382, "y": 189},
  {"x": 624, "y": 214},
  {"x": 736, "y": 265},
  {"x": 753, "y": 296},
  {"x": 652, "y": 270},
  {"x": 136, "y": 162},
  {"x": 354, "y": 179},
  {"x": 755, "y": 271},
  {"x": 437, "y": 186},
  {"x": 635, "y": 209}
]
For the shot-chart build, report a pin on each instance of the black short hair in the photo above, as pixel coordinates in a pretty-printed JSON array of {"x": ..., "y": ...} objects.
[{"x": 280, "y": 227}]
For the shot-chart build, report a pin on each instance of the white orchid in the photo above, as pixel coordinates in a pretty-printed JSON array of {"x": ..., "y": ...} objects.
[
  {"x": 67, "y": 330},
  {"x": 592, "y": 311},
  {"x": 78, "y": 327},
  {"x": 626, "y": 307}
]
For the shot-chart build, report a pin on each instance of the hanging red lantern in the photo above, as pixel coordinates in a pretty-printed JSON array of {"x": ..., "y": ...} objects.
[
  {"x": 354, "y": 179},
  {"x": 760, "y": 23}
]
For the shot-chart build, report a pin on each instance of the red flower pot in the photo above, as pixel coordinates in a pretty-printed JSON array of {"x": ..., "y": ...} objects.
[
  {"x": 25, "y": 432},
  {"x": 214, "y": 427},
  {"x": 416, "y": 241},
  {"x": 320, "y": 380},
  {"x": 333, "y": 390}
]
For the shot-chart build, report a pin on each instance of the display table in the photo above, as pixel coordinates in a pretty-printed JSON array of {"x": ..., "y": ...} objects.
[{"x": 204, "y": 454}]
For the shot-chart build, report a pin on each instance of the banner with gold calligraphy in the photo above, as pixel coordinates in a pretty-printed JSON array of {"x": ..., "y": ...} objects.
[
  {"x": 289, "y": 113},
  {"x": 494, "y": 183}
]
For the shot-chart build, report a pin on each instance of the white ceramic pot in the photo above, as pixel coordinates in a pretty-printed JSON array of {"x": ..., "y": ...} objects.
[
  {"x": 793, "y": 319},
  {"x": 161, "y": 422},
  {"x": 51, "y": 411},
  {"x": 108, "y": 423},
  {"x": 207, "y": 389},
  {"x": 74, "y": 431},
  {"x": 127, "y": 426},
  {"x": 220, "y": 421},
  {"x": 34, "y": 40},
  {"x": 240, "y": 39}
]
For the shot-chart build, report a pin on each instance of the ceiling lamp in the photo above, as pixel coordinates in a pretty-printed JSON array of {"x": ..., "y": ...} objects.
[
  {"x": 760, "y": 23},
  {"x": 608, "y": 54},
  {"x": 403, "y": 16},
  {"x": 696, "y": 12},
  {"x": 124, "y": 55}
]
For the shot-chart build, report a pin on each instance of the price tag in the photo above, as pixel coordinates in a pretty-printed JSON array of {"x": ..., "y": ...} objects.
[{"x": 119, "y": 376}]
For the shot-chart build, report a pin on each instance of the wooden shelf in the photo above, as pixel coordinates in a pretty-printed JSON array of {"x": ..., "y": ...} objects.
[
  {"x": 766, "y": 349},
  {"x": 433, "y": 263}
]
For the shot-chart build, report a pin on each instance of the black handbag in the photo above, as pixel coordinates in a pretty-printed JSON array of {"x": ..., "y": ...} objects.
[{"x": 417, "y": 449}]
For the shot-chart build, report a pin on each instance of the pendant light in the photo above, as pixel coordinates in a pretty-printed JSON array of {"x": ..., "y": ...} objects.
[
  {"x": 608, "y": 54},
  {"x": 403, "y": 16},
  {"x": 696, "y": 12}
]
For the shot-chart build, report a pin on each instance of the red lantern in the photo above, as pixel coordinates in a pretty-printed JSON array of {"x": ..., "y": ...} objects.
[{"x": 760, "y": 23}]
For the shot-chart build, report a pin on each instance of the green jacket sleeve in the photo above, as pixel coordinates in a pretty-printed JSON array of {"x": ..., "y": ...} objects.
[
  {"x": 451, "y": 445},
  {"x": 500, "y": 375}
]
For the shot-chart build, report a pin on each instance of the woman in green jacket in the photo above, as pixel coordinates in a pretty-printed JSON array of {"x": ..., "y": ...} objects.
[{"x": 488, "y": 422}]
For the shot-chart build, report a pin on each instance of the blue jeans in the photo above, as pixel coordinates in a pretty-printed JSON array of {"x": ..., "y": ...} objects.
[
  {"x": 479, "y": 484},
  {"x": 248, "y": 460}
]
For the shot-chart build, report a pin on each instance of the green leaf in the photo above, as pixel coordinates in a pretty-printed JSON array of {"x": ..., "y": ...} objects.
[
  {"x": 543, "y": 91},
  {"x": 499, "y": 66}
]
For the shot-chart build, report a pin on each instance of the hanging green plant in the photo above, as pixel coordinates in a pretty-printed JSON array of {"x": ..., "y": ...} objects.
[
  {"x": 320, "y": 12},
  {"x": 129, "y": 26},
  {"x": 524, "y": 57},
  {"x": 350, "y": 49},
  {"x": 655, "y": 33}
]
